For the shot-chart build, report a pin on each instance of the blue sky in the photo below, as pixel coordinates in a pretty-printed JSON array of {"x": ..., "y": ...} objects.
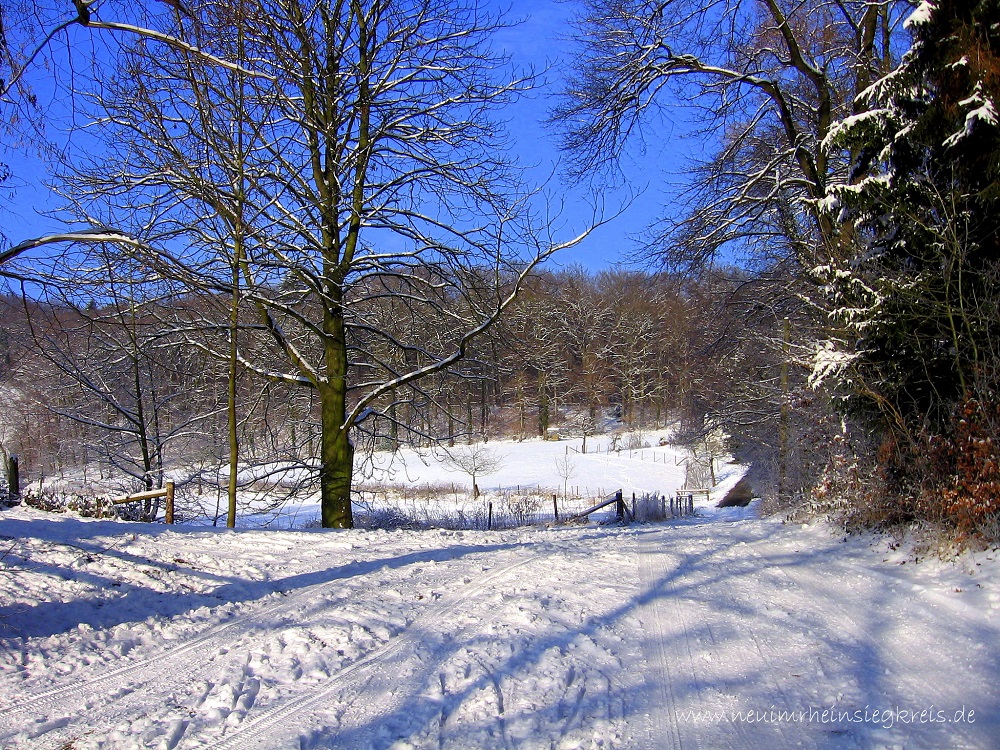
[
  {"x": 542, "y": 42},
  {"x": 654, "y": 172}
]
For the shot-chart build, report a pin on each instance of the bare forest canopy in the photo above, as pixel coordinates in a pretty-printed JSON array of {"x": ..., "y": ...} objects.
[
  {"x": 129, "y": 388},
  {"x": 314, "y": 174}
]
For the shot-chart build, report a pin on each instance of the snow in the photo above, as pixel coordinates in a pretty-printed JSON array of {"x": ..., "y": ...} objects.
[
  {"x": 921, "y": 16},
  {"x": 602, "y": 469},
  {"x": 719, "y": 630},
  {"x": 528, "y": 465},
  {"x": 873, "y": 120},
  {"x": 828, "y": 361},
  {"x": 983, "y": 111},
  {"x": 283, "y": 494}
]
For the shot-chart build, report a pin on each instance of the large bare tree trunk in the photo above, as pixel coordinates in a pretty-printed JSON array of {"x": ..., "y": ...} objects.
[
  {"x": 337, "y": 465},
  {"x": 336, "y": 451}
]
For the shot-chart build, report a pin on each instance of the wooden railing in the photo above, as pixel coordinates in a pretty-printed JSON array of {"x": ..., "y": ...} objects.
[
  {"x": 167, "y": 492},
  {"x": 621, "y": 510}
]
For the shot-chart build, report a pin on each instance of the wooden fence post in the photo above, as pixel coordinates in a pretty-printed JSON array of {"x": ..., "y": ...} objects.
[
  {"x": 169, "y": 512},
  {"x": 13, "y": 481},
  {"x": 489, "y": 515},
  {"x": 555, "y": 506},
  {"x": 619, "y": 505}
]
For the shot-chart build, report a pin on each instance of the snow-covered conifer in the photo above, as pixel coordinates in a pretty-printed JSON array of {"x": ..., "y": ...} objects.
[{"x": 914, "y": 290}]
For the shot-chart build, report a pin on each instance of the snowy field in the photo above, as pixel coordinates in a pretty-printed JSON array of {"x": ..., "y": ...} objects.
[
  {"x": 717, "y": 631},
  {"x": 419, "y": 485},
  {"x": 535, "y": 463},
  {"x": 528, "y": 473}
]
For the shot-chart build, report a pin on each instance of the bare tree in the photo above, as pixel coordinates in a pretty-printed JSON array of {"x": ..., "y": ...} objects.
[
  {"x": 38, "y": 39},
  {"x": 634, "y": 339},
  {"x": 565, "y": 467},
  {"x": 29, "y": 29},
  {"x": 373, "y": 172},
  {"x": 585, "y": 319},
  {"x": 101, "y": 351},
  {"x": 476, "y": 460},
  {"x": 771, "y": 78},
  {"x": 533, "y": 332}
]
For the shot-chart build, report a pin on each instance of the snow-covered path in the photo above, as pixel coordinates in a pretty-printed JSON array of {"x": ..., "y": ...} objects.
[
  {"x": 658, "y": 636},
  {"x": 764, "y": 636}
]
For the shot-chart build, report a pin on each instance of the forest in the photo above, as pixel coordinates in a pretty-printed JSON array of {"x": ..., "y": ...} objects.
[
  {"x": 298, "y": 231},
  {"x": 129, "y": 391}
]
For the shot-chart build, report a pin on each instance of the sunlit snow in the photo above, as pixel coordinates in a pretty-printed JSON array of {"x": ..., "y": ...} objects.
[{"x": 718, "y": 630}]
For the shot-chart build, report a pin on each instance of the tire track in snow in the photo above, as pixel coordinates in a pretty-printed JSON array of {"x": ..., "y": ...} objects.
[
  {"x": 669, "y": 657},
  {"x": 752, "y": 654},
  {"x": 384, "y": 693},
  {"x": 287, "y": 600},
  {"x": 269, "y": 726},
  {"x": 205, "y": 641},
  {"x": 699, "y": 653},
  {"x": 126, "y": 684},
  {"x": 169, "y": 666}
]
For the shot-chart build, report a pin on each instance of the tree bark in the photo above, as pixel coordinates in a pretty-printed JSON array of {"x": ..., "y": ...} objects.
[
  {"x": 337, "y": 465},
  {"x": 336, "y": 450},
  {"x": 13, "y": 481}
]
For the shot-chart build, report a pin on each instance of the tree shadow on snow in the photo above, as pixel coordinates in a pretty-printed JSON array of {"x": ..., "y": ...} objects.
[
  {"x": 805, "y": 665},
  {"x": 136, "y": 603}
]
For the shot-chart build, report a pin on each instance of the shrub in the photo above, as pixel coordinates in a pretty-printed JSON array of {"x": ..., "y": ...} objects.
[
  {"x": 634, "y": 441},
  {"x": 964, "y": 486},
  {"x": 949, "y": 482},
  {"x": 89, "y": 507}
]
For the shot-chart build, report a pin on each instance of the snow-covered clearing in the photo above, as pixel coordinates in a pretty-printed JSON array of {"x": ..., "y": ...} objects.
[
  {"x": 528, "y": 470},
  {"x": 118, "y": 635},
  {"x": 417, "y": 484}
]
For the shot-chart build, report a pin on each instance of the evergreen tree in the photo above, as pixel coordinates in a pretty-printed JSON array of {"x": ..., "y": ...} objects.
[{"x": 915, "y": 293}]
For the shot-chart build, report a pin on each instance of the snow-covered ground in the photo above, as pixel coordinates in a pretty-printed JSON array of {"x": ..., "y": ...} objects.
[
  {"x": 420, "y": 485},
  {"x": 542, "y": 467},
  {"x": 717, "y": 631},
  {"x": 533, "y": 462}
]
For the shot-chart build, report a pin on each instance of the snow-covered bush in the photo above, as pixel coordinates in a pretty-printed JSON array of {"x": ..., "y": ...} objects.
[
  {"x": 88, "y": 507},
  {"x": 847, "y": 486},
  {"x": 519, "y": 508},
  {"x": 651, "y": 507},
  {"x": 383, "y": 518}
]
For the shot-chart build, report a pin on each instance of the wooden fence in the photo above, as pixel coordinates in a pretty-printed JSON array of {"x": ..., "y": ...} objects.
[
  {"x": 647, "y": 507},
  {"x": 643, "y": 454},
  {"x": 167, "y": 492}
]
